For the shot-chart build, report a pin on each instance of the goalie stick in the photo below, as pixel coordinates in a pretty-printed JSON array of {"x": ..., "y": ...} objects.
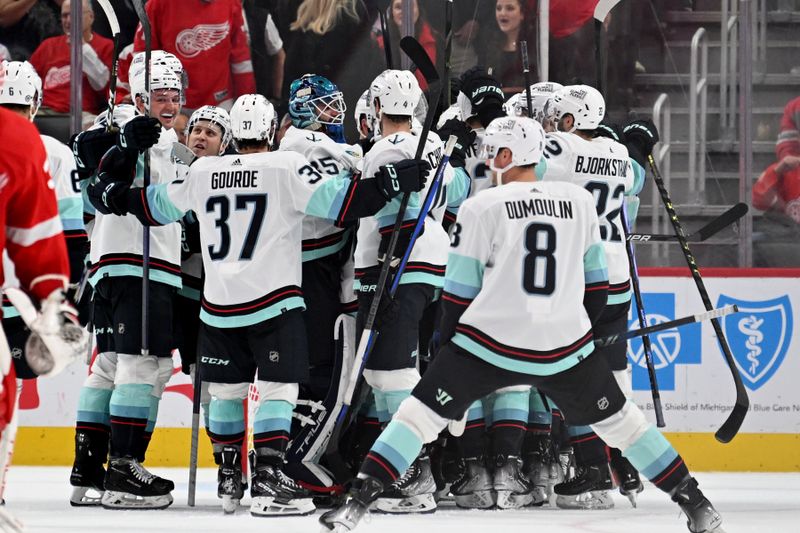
[
  {"x": 420, "y": 58},
  {"x": 718, "y": 224},
  {"x": 734, "y": 421}
]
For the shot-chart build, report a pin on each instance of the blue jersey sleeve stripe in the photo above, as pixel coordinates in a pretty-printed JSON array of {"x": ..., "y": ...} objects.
[
  {"x": 638, "y": 178},
  {"x": 328, "y": 198},
  {"x": 594, "y": 264},
  {"x": 161, "y": 207},
  {"x": 464, "y": 276}
]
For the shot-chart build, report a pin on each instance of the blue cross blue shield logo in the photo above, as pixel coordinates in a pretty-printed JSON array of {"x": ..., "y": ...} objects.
[
  {"x": 759, "y": 336},
  {"x": 669, "y": 348}
]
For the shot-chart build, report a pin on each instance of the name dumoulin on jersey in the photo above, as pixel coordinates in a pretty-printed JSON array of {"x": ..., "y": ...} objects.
[
  {"x": 116, "y": 248},
  {"x": 521, "y": 257},
  {"x": 429, "y": 256},
  {"x": 327, "y": 158},
  {"x": 603, "y": 167},
  {"x": 250, "y": 209}
]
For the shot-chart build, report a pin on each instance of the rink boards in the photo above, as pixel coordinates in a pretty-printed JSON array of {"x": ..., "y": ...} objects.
[{"x": 696, "y": 386}]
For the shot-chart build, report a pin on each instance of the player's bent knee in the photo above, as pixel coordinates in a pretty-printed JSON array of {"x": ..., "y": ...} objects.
[
  {"x": 392, "y": 380},
  {"x": 420, "y": 418},
  {"x": 136, "y": 369},
  {"x": 104, "y": 369},
  {"x": 272, "y": 390},
  {"x": 623, "y": 378},
  {"x": 623, "y": 428},
  {"x": 228, "y": 391},
  {"x": 165, "y": 369}
]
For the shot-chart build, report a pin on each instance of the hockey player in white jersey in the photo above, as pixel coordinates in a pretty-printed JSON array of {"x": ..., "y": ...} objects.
[
  {"x": 519, "y": 312},
  {"x": 124, "y": 388},
  {"x": 602, "y": 166},
  {"x": 250, "y": 208}
]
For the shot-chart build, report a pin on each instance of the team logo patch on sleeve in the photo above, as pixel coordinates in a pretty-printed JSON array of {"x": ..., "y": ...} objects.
[{"x": 759, "y": 336}]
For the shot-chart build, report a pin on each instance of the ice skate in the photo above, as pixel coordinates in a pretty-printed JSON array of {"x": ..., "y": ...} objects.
[
  {"x": 542, "y": 470},
  {"x": 276, "y": 494},
  {"x": 512, "y": 488},
  {"x": 130, "y": 486},
  {"x": 88, "y": 475},
  {"x": 410, "y": 493},
  {"x": 630, "y": 484},
  {"x": 347, "y": 516},
  {"x": 473, "y": 490},
  {"x": 589, "y": 489},
  {"x": 229, "y": 479},
  {"x": 702, "y": 517}
]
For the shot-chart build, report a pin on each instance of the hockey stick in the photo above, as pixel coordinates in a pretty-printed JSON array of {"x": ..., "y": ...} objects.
[
  {"x": 196, "y": 391},
  {"x": 417, "y": 54},
  {"x": 711, "y": 314},
  {"x": 113, "y": 23},
  {"x": 637, "y": 294},
  {"x": 387, "y": 44},
  {"x": 601, "y": 11},
  {"x": 731, "y": 426},
  {"x": 526, "y": 73},
  {"x": 448, "y": 49},
  {"x": 706, "y": 232},
  {"x": 145, "y": 22}
]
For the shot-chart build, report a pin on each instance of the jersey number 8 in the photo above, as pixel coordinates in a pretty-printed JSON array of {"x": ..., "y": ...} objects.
[{"x": 539, "y": 264}]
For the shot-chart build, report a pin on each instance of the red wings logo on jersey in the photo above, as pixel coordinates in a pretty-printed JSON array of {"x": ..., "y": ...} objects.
[
  {"x": 56, "y": 76},
  {"x": 202, "y": 37}
]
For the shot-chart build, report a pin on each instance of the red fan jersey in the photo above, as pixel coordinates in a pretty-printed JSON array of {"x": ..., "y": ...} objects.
[
  {"x": 789, "y": 137},
  {"x": 211, "y": 41},
  {"x": 51, "y": 61},
  {"x": 779, "y": 192},
  {"x": 30, "y": 228}
]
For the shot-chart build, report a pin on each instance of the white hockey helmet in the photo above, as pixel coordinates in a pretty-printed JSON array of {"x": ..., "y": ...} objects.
[
  {"x": 161, "y": 78},
  {"x": 364, "y": 109},
  {"x": 22, "y": 86},
  {"x": 585, "y": 103},
  {"x": 522, "y": 135},
  {"x": 397, "y": 92},
  {"x": 541, "y": 96},
  {"x": 161, "y": 57},
  {"x": 253, "y": 118},
  {"x": 216, "y": 116}
]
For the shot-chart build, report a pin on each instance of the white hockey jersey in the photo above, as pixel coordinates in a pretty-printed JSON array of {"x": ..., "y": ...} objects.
[
  {"x": 250, "y": 209},
  {"x": 116, "y": 243},
  {"x": 521, "y": 257},
  {"x": 328, "y": 158},
  {"x": 429, "y": 256},
  {"x": 603, "y": 167}
]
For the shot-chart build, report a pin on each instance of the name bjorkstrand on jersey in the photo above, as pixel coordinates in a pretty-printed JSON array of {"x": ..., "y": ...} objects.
[{"x": 601, "y": 166}]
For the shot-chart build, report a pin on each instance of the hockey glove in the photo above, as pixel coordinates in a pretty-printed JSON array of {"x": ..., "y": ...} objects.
[
  {"x": 612, "y": 131},
  {"x": 466, "y": 138},
  {"x": 404, "y": 176},
  {"x": 139, "y": 134},
  {"x": 114, "y": 177},
  {"x": 88, "y": 147},
  {"x": 640, "y": 138},
  {"x": 484, "y": 93}
]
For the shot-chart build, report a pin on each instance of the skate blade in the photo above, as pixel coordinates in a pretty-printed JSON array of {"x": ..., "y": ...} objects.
[
  {"x": 506, "y": 499},
  {"x": 539, "y": 496},
  {"x": 481, "y": 499},
  {"x": 269, "y": 506},
  {"x": 592, "y": 500},
  {"x": 85, "y": 497},
  {"x": 337, "y": 528},
  {"x": 124, "y": 500},
  {"x": 421, "y": 503},
  {"x": 9, "y": 523},
  {"x": 229, "y": 504}
]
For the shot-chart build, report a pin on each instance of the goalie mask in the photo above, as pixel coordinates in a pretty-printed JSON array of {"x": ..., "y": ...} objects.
[
  {"x": 523, "y": 136},
  {"x": 216, "y": 116},
  {"x": 253, "y": 118},
  {"x": 316, "y": 103},
  {"x": 586, "y": 105},
  {"x": 22, "y": 86}
]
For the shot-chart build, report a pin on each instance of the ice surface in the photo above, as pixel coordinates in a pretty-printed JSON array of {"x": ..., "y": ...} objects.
[{"x": 763, "y": 503}]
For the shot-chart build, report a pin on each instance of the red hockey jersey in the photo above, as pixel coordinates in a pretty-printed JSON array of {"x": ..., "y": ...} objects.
[
  {"x": 51, "y": 61},
  {"x": 211, "y": 41},
  {"x": 30, "y": 228},
  {"x": 789, "y": 137}
]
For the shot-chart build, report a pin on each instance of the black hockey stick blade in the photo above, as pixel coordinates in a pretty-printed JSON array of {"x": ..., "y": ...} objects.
[
  {"x": 718, "y": 224},
  {"x": 420, "y": 58}
]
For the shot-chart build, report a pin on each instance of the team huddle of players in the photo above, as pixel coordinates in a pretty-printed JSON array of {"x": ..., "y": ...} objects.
[{"x": 265, "y": 245}]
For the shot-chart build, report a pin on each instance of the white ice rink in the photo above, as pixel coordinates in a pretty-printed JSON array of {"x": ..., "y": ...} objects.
[{"x": 749, "y": 503}]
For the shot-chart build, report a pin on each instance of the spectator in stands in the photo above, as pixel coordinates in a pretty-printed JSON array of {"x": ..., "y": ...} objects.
[
  {"x": 422, "y": 32},
  {"x": 26, "y": 23},
  {"x": 502, "y": 50},
  {"x": 331, "y": 38},
  {"x": 266, "y": 47},
  {"x": 51, "y": 61},
  {"x": 572, "y": 41},
  {"x": 778, "y": 187},
  {"x": 210, "y": 39}
]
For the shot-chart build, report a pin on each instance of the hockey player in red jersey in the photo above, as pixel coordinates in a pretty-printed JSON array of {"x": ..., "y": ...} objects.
[{"x": 204, "y": 35}]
